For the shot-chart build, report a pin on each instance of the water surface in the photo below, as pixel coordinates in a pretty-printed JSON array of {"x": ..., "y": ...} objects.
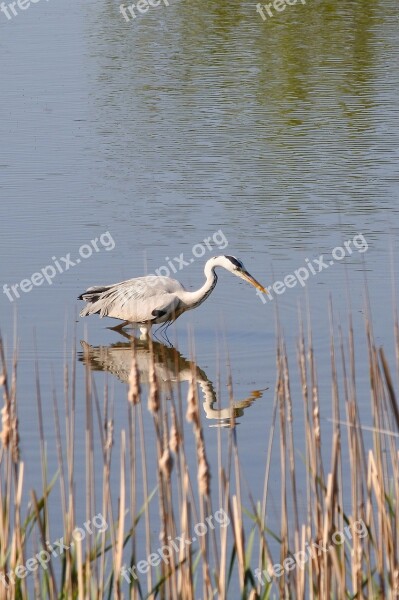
[{"x": 195, "y": 118}]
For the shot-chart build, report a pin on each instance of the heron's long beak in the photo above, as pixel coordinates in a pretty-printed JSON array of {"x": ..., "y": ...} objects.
[{"x": 245, "y": 275}]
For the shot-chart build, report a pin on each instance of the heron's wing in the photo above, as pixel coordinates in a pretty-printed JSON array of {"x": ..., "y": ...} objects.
[
  {"x": 134, "y": 300},
  {"x": 139, "y": 287}
]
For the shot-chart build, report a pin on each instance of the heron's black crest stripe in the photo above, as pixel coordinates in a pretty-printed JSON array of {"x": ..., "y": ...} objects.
[{"x": 234, "y": 261}]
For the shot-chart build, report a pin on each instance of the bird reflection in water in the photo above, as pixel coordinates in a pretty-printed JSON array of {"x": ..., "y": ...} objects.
[{"x": 171, "y": 368}]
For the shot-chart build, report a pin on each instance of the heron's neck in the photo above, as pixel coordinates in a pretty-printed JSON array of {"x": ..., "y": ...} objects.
[{"x": 193, "y": 299}]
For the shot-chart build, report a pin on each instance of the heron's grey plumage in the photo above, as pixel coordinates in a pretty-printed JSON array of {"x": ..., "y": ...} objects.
[{"x": 139, "y": 300}]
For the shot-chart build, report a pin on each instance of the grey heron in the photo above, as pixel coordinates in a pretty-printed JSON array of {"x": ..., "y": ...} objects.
[{"x": 150, "y": 300}]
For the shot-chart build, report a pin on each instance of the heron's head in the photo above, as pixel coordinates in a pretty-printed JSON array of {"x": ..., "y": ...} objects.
[{"x": 236, "y": 266}]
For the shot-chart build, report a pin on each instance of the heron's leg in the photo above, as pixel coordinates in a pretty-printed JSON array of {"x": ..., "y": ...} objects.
[
  {"x": 154, "y": 333},
  {"x": 165, "y": 337},
  {"x": 163, "y": 333},
  {"x": 161, "y": 329},
  {"x": 120, "y": 326}
]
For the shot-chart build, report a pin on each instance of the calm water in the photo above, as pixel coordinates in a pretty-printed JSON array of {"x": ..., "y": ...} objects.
[{"x": 196, "y": 118}]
